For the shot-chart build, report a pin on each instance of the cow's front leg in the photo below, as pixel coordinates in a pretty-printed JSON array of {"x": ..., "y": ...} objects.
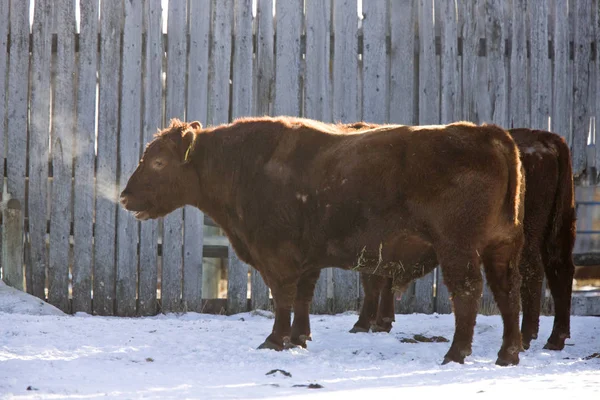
[
  {"x": 304, "y": 295},
  {"x": 283, "y": 298}
]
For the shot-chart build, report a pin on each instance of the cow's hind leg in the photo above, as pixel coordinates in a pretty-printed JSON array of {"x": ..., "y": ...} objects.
[
  {"x": 559, "y": 273},
  {"x": 304, "y": 295},
  {"x": 532, "y": 274},
  {"x": 372, "y": 285},
  {"x": 462, "y": 275},
  {"x": 283, "y": 298},
  {"x": 501, "y": 268},
  {"x": 385, "y": 312}
]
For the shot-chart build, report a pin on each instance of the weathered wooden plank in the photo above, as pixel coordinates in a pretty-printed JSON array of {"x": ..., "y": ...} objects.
[
  {"x": 317, "y": 90},
  {"x": 375, "y": 75},
  {"x": 470, "y": 28},
  {"x": 83, "y": 196},
  {"x": 197, "y": 107},
  {"x": 129, "y": 151},
  {"x": 450, "y": 88},
  {"x": 16, "y": 107},
  {"x": 265, "y": 67},
  {"x": 402, "y": 63},
  {"x": 596, "y": 80},
  {"x": 541, "y": 95},
  {"x": 4, "y": 24},
  {"x": 241, "y": 105},
  {"x": 151, "y": 121},
  {"x": 496, "y": 72},
  {"x": 443, "y": 304},
  {"x": 38, "y": 148},
  {"x": 581, "y": 84},
  {"x": 218, "y": 102},
  {"x": 345, "y": 61},
  {"x": 429, "y": 75},
  {"x": 288, "y": 57},
  {"x": 12, "y": 244},
  {"x": 172, "y": 256},
  {"x": 519, "y": 87},
  {"x": 106, "y": 172},
  {"x": 62, "y": 138}
]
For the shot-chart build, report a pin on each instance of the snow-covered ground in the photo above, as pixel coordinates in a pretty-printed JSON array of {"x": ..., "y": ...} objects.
[{"x": 204, "y": 356}]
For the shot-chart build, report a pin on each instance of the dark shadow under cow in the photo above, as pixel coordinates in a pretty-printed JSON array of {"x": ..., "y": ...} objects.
[
  {"x": 295, "y": 196},
  {"x": 549, "y": 227}
]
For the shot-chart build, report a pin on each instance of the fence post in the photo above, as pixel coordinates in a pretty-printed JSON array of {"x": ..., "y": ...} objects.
[{"x": 12, "y": 244}]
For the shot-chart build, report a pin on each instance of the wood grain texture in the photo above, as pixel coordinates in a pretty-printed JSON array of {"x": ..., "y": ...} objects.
[
  {"x": 402, "y": 63},
  {"x": 12, "y": 244},
  {"x": 450, "y": 65},
  {"x": 172, "y": 255},
  {"x": 265, "y": 67},
  {"x": 519, "y": 71},
  {"x": 62, "y": 138},
  {"x": 496, "y": 108},
  {"x": 470, "y": 28},
  {"x": 4, "y": 24},
  {"x": 317, "y": 86},
  {"x": 288, "y": 57},
  {"x": 375, "y": 89},
  {"x": 151, "y": 121},
  {"x": 345, "y": 61},
  {"x": 540, "y": 67},
  {"x": 39, "y": 127},
  {"x": 222, "y": 25},
  {"x": 129, "y": 155},
  {"x": 106, "y": 172},
  {"x": 429, "y": 93}
]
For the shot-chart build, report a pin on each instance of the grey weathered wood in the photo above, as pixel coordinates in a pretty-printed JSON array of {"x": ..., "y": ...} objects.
[
  {"x": 288, "y": 57},
  {"x": 496, "y": 73},
  {"x": 402, "y": 63},
  {"x": 541, "y": 90},
  {"x": 450, "y": 87},
  {"x": 62, "y": 138},
  {"x": 83, "y": 194},
  {"x": 151, "y": 121},
  {"x": 519, "y": 87},
  {"x": 585, "y": 305},
  {"x": 317, "y": 91},
  {"x": 129, "y": 151},
  {"x": 345, "y": 290},
  {"x": 197, "y": 107},
  {"x": 596, "y": 80},
  {"x": 12, "y": 244},
  {"x": 443, "y": 304},
  {"x": 218, "y": 102},
  {"x": 375, "y": 92},
  {"x": 237, "y": 289},
  {"x": 106, "y": 172},
  {"x": 16, "y": 107},
  {"x": 172, "y": 255},
  {"x": 470, "y": 33},
  {"x": 38, "y": 148},
  {"x": 581, "y": 80},
  {"x": 429, "y": 94},
  {"x": 241, "y": 105},
  {"x": 345, "y": 61},
  {"x": 265, "y": 67},
  {"x": 4, "y": 24},
  {"x": 317, "y": 86}
]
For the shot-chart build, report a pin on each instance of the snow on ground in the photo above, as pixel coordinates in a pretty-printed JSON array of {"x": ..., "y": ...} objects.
[{"x": 200, "y": 356}]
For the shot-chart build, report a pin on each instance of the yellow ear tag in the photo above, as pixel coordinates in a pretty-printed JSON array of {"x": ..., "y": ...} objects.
[{"x": 187, "y": 153}]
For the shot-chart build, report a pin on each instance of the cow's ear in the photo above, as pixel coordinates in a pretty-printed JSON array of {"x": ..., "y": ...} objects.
[
  {"x": 187, "y": 139},
  {"x": 195, "y": 125}
]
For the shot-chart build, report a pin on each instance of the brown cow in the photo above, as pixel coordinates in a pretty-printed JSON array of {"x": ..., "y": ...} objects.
[
  {"x": 549, "y": 227},
  {"x": 295, "y": 196}
]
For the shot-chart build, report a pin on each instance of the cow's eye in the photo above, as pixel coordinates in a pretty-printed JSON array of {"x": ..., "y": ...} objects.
[{"x": 158, "y": 164}]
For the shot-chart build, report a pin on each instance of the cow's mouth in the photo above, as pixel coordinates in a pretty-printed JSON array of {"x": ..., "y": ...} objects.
[{"x": 141, "y": 215}]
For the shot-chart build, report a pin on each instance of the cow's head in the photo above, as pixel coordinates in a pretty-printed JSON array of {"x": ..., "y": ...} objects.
[{"x": 164, "y": 179}]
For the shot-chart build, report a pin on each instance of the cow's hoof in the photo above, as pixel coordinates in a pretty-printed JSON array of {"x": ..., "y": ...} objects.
[
  {"x": 299, "y": 341},
  {"x": 385, "y": 327},
  {"x": 556, "y": 346},
  {"x": 506, "y": 361},
  {"x": 271, "y": 345},
  {"x": 457, "y": 356},
  {"x": 448, "y": 360},
  {"x": 358, "y": 329},
  {"x": 509, "y": 356}
]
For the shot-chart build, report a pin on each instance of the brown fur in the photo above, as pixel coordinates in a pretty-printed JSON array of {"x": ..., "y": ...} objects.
[
  {"x": 549, "y": 226},
  {"x": 295, "y": 196}
]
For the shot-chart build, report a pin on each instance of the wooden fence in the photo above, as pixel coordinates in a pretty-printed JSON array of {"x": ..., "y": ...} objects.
[{"x": 86, "y": 84}]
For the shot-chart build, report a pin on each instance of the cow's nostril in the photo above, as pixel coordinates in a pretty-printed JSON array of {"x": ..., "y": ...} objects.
[{"x": 123, "y": 199}]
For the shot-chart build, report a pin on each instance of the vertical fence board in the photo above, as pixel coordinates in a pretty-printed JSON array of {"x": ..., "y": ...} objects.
[
  {"x": 197, "y": 107},
  {"x": 265, "y": 67},
  {"x": 450, "y": 88},
  {"x": 241, "y": 105},
  {"x": 375, "y": 74},
  {"x": 317, "y": 90},
  {"x": 218, "y": 100},
  {"x": 172, "y": 249},
  {"x": 519, "y": 87},
  {"x": 581, "y": 78},
  {"x": 402, "y": 62},
  {"x": 560, "y": 111},
  {"x": 4, "y": 24},
  {"x": 129, "y": 150},
  {"x": 288, "y": 57},
  {"x": 541, "y": 95},
  {"x": 63, "y": 114},
  {"x": 83, "y": 194},
  {"x": 345, "y": 109},
  {"x": 470, "y": 33},
  {"x": 12, "y": 244},
  {"x": 106, "y": 172},
  {"x": 495, "y": 36},
  {"x": 151, "y": 121},
  {"x": 38, "y": 148},
  {"x": 16, "y": 113}
]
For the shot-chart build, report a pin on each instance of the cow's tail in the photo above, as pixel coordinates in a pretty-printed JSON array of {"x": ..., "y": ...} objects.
[
  {"x": 515, "y": 195},
  {"x": 562, "y": 223}
]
